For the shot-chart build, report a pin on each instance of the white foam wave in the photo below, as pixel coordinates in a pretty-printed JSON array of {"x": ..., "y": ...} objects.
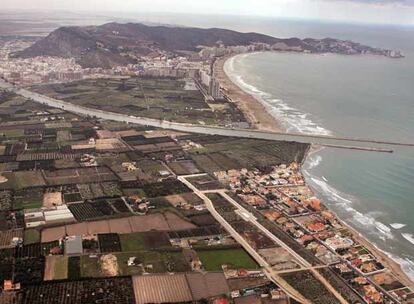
[
  {"x": 291, "y": 119},
  {"x": 397, "y": 225},
  {"x": 382, "y": 227},
  {"x": 314, "y": 161},
  {"x": 331, "y": 191},
  {"x": 409, "y": 237},
  {"x": 406, "y": 264},
  {"x": 367, "y": 221},
  {"x": 294, "y": 120}
]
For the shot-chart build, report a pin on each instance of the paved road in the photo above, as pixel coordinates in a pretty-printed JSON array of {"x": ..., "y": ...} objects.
[
  {"x": 272, "y": 273},
  {"x": 293, "y": 293},
  {"x": 210, "y": 130},
  {"x": 304, "y": 264}
]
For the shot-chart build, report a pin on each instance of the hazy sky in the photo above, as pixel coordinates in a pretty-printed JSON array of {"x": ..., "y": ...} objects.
[{"x": 367, "y": 11}]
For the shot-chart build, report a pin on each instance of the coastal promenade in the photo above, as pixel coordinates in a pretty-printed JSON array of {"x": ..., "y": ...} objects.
[{"x": 336, "y": 142}]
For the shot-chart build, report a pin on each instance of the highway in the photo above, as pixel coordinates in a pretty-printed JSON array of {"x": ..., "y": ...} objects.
[{"x": 360, "y": 144}]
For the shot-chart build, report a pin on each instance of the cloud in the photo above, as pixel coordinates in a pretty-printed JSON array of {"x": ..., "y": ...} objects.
[{"x": 380, "y": 2}]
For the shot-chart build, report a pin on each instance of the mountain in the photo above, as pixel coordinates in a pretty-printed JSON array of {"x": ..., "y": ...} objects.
[
  {"x": 111, "y": 44},
  {"x": 115, "y": 44}
]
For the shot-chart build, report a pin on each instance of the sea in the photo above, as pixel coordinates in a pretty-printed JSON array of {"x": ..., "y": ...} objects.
[{"x": 354, "y": 96}]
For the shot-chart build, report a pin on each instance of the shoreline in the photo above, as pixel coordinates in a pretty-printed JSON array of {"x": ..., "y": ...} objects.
[
  {"x": 254, "y": 111},
  {"x": 384, "y": 257},
  {"x": 259, "y": 118}
]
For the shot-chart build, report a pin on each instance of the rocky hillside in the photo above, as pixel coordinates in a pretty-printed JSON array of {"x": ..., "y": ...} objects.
[{"x": 115, "y": 44}]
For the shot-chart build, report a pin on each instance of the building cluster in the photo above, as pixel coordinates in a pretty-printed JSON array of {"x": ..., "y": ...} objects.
[
  {"x": 221, "y": 50},
  {"x": 283, "y": 198},
  {"x": 46, "y": 69},
  {"x": 36, "y": 70}
]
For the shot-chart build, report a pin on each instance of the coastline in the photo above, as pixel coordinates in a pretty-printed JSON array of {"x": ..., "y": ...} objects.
[
  {"x": 254, "y": 111},
  {"x": 382, "y": 256},
  {"x": 259, "y": 118}
]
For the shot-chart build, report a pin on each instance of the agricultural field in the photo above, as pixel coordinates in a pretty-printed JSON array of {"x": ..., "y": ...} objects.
[
  {"x": 220, "y": 203},
  {"x": 152, "y": 262},
  {"x": 310, "y": 287},
  {"x": 7, "y": 236},
  {"x": 6, "y": 200},
  {"x": 183, "y": 201},
  {"x": 205, "y": 182},
  {"x": 167, "y": 187},
  {"x": 98, "y": 209},
  {"x": 134, "y": 217},
  {"x": 184, "y": 167},
  {"x": 225, "y": 153},
  {"x": 109, "y": 242},
  {"x": 56, "y": 268},
  {"x": 144, "y": 241},
  {"x": 151, "y": 169},
  {"x": 23, "y": 179},
  {"x": 158, "y": 98},
  {"x": 37, "y": 250},
  {"x": 202, "y": 219},
  {"x": 79, "y": 175},
  {"x": 213, "y": 162},
  {"x": 105, "y": 291},
  {"x": 339, "y": 284},
  {"x": 212, "y": 260},
  {"x": 29, "y": 271},
  {"x": 196, "y": 232},
  {"x": 96, "y": 190},
  {"x": 156, "y": 221},
  {"x": 90, "y": 267},
  {"x": 115, "y": 264},
  {"x": 12, "y": 133},
  {"x": 74, "y": 269},
  {"x": 31, "y": 236}
]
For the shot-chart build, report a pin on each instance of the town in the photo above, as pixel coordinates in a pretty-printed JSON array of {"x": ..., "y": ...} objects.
[
  {"x": 91, "y": 206},
  {"x": 99, "y": 211}
]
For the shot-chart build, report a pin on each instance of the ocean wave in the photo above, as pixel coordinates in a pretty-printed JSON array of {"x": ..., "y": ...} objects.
[
  {"x": 292, "y": 119},
  {"x": 409, "y": 237},
  {"x": 336, "y": 195},
  {"x": 397, "y": 225},
  {"x": 367, "y": 220},
  {"x": 314, "y": 161},
  {"x": 382, "y": 227},
  {"x": 406, "y": 264}
]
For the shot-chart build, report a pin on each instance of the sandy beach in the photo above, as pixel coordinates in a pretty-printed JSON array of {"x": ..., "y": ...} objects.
[
  {"x": 254, "y": 111},
  {"x": 259, "y": 118}
]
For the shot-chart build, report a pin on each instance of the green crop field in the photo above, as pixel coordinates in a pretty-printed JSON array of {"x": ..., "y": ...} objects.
[
  {"x": 213, "y": 260},
  {"x": 31, "y": 236}
]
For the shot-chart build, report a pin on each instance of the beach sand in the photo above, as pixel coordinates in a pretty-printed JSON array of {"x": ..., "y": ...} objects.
[
  {"x": 259, "y": 118},
  {"x": 254, "y": 111}
]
